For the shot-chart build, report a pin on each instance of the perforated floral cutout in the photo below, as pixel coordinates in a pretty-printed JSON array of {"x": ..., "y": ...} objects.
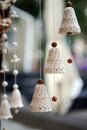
[
  {"x": 54, "y": 62},
  {"x": 69, "y": 22},
  {"x": 40, "y": 101}
]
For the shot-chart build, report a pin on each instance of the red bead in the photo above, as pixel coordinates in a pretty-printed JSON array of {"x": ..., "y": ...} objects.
[
  {"x": 69, "y": 4},
  {"x": 54, "y": 44},
  {"x": 69, "y": 60},
  {"x": 54, "y": 99},
  {"x": 40, "y": 81}
]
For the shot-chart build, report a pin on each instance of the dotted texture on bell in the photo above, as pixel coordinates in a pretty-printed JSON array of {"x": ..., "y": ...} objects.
[
  {"x": 40, "y": 101},
  {"x": 54, "y": 62},
  {"x": 69, "y": 22}
]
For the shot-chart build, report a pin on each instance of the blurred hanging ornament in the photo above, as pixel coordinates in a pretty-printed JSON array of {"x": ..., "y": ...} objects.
[
  {"x": 40, "y": 101},
  {"x": 5, "y": 112},
  {"x": 16, "y": 99},
  {"x": 54, "y": 63},
  {"x": 69, "y": 23},
  {"x": 4, "y": 37},
  {"x": 4, "y": 69},
  {"x": 5, "y": 4},
  {"x": 13, "y": 1},
  {"x": 14, "y": 14},
  {"x": 15, "y": 58},
  {"x": 4, "y": 24}
]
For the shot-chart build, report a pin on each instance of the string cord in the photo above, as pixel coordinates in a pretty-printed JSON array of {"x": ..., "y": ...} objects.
[
  {"x": 54, "y": 35},
  {"x": 4, "y": 55},
  {"x": 40, "y": 37},
  {"x": 54, "y": 83},
  {"x": 14, "y": 37},
  {"x": 69, "y": 42}
]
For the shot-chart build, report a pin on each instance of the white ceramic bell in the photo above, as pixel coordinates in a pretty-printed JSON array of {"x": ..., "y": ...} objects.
[
  {"x": 40, "y": 101},
  {"x": 5, "y": 112},
  {"x": 69, "y": 23},
  {"x": 16, "y": 99},
  {"x": 54, "y": 62}
]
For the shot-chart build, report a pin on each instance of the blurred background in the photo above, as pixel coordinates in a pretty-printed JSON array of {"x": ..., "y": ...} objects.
[{"x": 70, "y": 111}]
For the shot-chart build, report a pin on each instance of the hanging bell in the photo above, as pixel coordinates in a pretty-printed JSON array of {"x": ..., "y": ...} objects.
[
  {"x": 69, "y": 23},
  {"x": 16, "y": 99},
  {"x": 54, "y": 61},
  {"x": 40, "y": 101},
  {"x": 5, "y": 112}
]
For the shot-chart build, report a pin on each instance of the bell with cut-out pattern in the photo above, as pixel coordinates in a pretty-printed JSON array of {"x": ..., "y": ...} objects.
[
  {"x": 40, "y": 101},
  {"x": 54, "y": 62},
  {"x": 69, "y": 23}
]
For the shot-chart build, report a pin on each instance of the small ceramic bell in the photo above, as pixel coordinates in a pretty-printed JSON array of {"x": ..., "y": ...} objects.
[
  {"x": 40, "y": 101},
  {"x": 5, "y": 112},
  {"x": 54, "y": 61},
  {"x": 69, "y": 23},
  {"x": 16, "y": 99}
]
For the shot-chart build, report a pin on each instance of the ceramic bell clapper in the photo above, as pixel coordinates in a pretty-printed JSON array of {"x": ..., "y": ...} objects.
[
  {"x": 69, "y": 23},
  {"x": 5, "y": 112},
  {"x": 16, "y": 99},
  {"x": 54, "y": 62},
  {"x": 40, "y": 101}
]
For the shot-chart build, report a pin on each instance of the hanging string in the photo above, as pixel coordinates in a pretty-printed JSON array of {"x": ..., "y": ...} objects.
[
  {"x": 54, "y": 99},
  {"x": 14, "y": 37},
  {"x": 4, "y": 55},
  {"x": 69, "y": 60},
  {"x": 14, "y": 26},
  {"x": 54, "y": 83},
  {"x": 54, "y": 36},
  {"x": 69, "y": 41},
  {"x": 40, "y": 38}
]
